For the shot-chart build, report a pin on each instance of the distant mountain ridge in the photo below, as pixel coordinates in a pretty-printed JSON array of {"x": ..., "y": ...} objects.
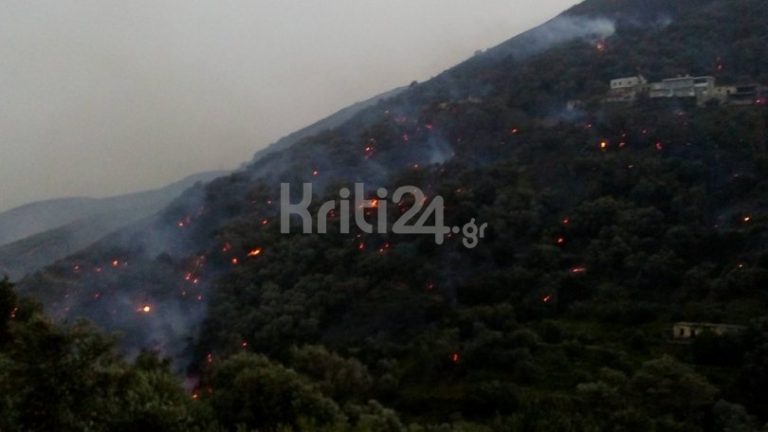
[
  {"x": 38, "y": 217},
  {"x": 37, "y": 234}
]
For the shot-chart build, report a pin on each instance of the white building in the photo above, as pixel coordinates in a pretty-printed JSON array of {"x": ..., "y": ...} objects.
[
  {"x": 627, "y": 89},
  {"x": 701, "y": 88}
]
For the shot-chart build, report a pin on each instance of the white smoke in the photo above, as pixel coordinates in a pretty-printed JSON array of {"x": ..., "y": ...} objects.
[{"x": 567, "y": 28}]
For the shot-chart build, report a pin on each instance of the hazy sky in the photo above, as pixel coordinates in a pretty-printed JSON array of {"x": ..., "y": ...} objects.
[{"x": 101, "y": 97}]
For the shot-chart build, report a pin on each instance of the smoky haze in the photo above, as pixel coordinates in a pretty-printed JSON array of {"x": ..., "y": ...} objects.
[{"x": 107, "y": 97}]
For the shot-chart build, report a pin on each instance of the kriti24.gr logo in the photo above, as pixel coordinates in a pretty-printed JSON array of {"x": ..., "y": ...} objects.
[{"x": 423, "y": 217}]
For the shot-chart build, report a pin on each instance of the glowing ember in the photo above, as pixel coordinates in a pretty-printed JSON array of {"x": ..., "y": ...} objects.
[
  {"x": 255, "y": 252},
  {"x": 659, "y": 146},
  {"x": 430, "y": 286},
  {"x": 547, "y": 299},
  {"x": 115, "y": 263},
  {"x": 315, "y": 173},
  {"x": 514, "y": 131},
  {"x": 747, "y": 219},
  {"x": 566, "y": 221},
  {"x": 264, "y": 221},
  {"x": 226, "y": 248},
  {"x": 577, "y": 270},
  {"x": 146, "y": 309},
  {"x": 603, "y": 145},
  {"x": 235, "y": 261},
  {"x": 600, "y": 46},
  {"x": 455, "y": 358},
  {"x": 361, "y": 246},
  {"x": 560, "y": 241},
  {"x": 369, "y": 150}
]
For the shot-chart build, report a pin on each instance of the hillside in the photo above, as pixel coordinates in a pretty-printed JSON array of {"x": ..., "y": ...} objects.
[{"x": 608, "y": 224}]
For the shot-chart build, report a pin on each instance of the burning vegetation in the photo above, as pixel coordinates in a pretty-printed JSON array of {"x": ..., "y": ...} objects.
[{"x": 605, "y": 225}]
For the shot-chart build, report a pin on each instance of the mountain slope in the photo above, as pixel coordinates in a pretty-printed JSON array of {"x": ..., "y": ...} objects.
[{"x": 607, "y": 225}]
